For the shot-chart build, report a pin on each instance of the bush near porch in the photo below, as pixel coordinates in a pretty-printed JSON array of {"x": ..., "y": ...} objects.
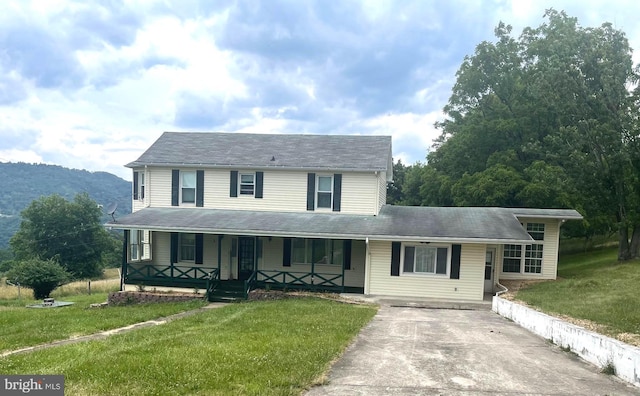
[
  {"x": 276, "y": 347},
  {"x": 593, "y": 290}
]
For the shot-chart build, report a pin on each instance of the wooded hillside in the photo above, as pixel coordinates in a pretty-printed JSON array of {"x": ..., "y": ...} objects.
[{"x": 22, "y": 183}]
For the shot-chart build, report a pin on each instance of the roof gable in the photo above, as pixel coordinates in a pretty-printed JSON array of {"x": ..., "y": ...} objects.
[{"x": 249, "y": 150}]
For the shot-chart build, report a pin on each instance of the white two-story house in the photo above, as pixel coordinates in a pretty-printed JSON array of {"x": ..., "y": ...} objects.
[{"x": 233, "y": 211}]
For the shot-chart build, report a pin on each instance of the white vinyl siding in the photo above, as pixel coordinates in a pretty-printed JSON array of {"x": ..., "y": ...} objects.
[
  {"x": 283, "y": 191},
  {"x": 470, "y": 286},
  {"x": 549, "y": 252},
  {"x": 359, "y": 193}
]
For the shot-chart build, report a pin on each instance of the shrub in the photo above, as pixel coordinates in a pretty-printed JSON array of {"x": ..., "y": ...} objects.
[{"x": 43, "y": 276}]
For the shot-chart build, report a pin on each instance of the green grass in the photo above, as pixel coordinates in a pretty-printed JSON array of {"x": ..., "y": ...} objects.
[
  {"x": 592, "y": 286},
  {"x": 21, "y": 326},
  {"x": 254, "y": 348}
]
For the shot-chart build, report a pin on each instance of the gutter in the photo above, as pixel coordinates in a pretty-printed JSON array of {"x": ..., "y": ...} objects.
[{"x": 280, "y": 234}]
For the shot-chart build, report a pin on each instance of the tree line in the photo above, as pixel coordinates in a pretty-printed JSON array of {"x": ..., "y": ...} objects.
[{"x": 548, "y": 119}]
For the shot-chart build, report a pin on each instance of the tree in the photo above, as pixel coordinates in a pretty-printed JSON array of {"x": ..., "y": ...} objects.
[
  {"x": 68, "y": 232},
  {"x": 43, "y": 276},
  {"x": 394, "y": 189},
  {"x": 547, "y": 120}
]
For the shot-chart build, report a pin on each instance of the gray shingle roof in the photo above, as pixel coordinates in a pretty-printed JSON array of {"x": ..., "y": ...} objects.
[
  {"x": 248, "y": 150},
  {"x": 481, "y": 225}
]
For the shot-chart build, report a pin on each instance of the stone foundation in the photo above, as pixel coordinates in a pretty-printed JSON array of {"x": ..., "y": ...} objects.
[{"x": 134, "y": 297}]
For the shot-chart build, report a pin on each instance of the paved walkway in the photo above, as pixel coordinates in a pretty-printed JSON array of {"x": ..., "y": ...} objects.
[
  {"x": 107, "y": 333},
  {"x": 418, "y": 351}
]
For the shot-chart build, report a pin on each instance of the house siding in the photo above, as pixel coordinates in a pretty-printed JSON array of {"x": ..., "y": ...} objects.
[
  {"x": 470, "y": 286},
  {"x": 359, "y": 193},
  {"x": 283, "y": 191},
  {"x": 549, "y": 253}
]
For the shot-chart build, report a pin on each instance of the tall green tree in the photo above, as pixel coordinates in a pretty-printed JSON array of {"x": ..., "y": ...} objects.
[
  {"x": 547, "y": 119},
  {"x": 68, "y": 232}
]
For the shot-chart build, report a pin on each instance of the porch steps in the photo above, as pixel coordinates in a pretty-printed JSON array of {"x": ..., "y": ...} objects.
[{"x": 227, "y": 291}]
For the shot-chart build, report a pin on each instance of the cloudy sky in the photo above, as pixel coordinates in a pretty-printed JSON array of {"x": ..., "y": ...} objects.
[{"x": 91, "y": 84}]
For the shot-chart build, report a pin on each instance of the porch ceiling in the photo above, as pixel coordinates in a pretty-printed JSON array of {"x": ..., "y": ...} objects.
[{"x": 470, "y": 225}]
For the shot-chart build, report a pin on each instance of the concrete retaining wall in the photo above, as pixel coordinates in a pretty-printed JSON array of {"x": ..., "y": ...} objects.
[
  {"x": 592, "y": 347},
  {"x": 130, "y": 297}
]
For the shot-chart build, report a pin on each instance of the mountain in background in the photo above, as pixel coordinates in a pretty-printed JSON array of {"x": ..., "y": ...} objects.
[{"x": 21, "y": 183}]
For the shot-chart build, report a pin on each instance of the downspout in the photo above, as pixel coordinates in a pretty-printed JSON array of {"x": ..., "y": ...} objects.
[{"x": 367, "y": 266}]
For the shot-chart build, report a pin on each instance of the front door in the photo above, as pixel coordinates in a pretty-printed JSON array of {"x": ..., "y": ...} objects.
[
  {"x": 488, "y": 270},
  {"x": 246, "y": 257}
]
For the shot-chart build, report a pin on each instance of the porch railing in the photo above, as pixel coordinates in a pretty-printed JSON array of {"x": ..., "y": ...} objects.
[
  {"x": 305, "y": 280},
  {"x": 150, "y": 273},
  {"x": 249, "y": 284},
  {"x": 212, "y": 281}
]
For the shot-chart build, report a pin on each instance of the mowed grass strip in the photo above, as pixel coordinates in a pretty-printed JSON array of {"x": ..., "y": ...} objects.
[
  {"x": 254, "y": 348},
  {"x": 21, "y": 327},
  {"x": 592, "y": 286}
]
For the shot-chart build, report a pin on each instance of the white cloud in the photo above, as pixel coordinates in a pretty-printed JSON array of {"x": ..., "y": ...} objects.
[{"x": 370, "y": 68}]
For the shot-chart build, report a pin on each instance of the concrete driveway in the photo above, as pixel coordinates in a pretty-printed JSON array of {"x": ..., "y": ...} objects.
[{"x": 417, "y": 351}]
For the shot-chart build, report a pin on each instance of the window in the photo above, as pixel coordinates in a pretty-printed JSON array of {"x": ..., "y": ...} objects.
[
  {"x": 187, "y": 247},
  {"x": 511, "y": 258},
  {"x": 324, "y": 192},
  {"x": 531, "y": 263},
  {"x": 139, "y": 245},
  {"x": 536, "y": 230},
  {"x": 317, "y": 251},
  {"x": 247, "y": 183},
  {"x": 188, "y": 187},
  {"x": 135, "y": 239},
  {"x": 141, "y": 186},
  {"x": 426, "y": 259},
  {"x": 533, "y": 259}
]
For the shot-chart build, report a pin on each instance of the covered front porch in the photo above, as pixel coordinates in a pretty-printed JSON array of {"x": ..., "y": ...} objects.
[{"x": 230, "y": 266}]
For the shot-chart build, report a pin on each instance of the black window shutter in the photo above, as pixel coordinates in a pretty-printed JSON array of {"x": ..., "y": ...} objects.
[
  {"x": 286, "y": 253},
  {"x": 199, "y": 248},
  {"x": 346, "y": 254},
  {"x": 395, "y": 258},
  {"x": 135, "y": 185},
  {"x": 200, "y": 188},
  {"x": 233, "y": 184},
  {"x": 175, "y": 187},
  {"x": 337, "y": 191},
  {"x": 174, "y": 247},
  {"x": 455, "y": 261},
  {"x": 259, "y": 181},
  {"x": 311, "y": 191}
]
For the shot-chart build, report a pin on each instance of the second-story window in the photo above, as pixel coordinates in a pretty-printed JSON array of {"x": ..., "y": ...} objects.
[
  {"x": 247, "y": 183},
  {"x": 188, "y": 187},
  {"x": 324, "y": 191}
]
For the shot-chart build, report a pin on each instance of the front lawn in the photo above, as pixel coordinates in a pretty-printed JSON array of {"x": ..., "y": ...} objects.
[
  {"x": 254, "y": 348},
  {"x": 595, "y": 287},
  {"x": 21, "y": 326}
]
